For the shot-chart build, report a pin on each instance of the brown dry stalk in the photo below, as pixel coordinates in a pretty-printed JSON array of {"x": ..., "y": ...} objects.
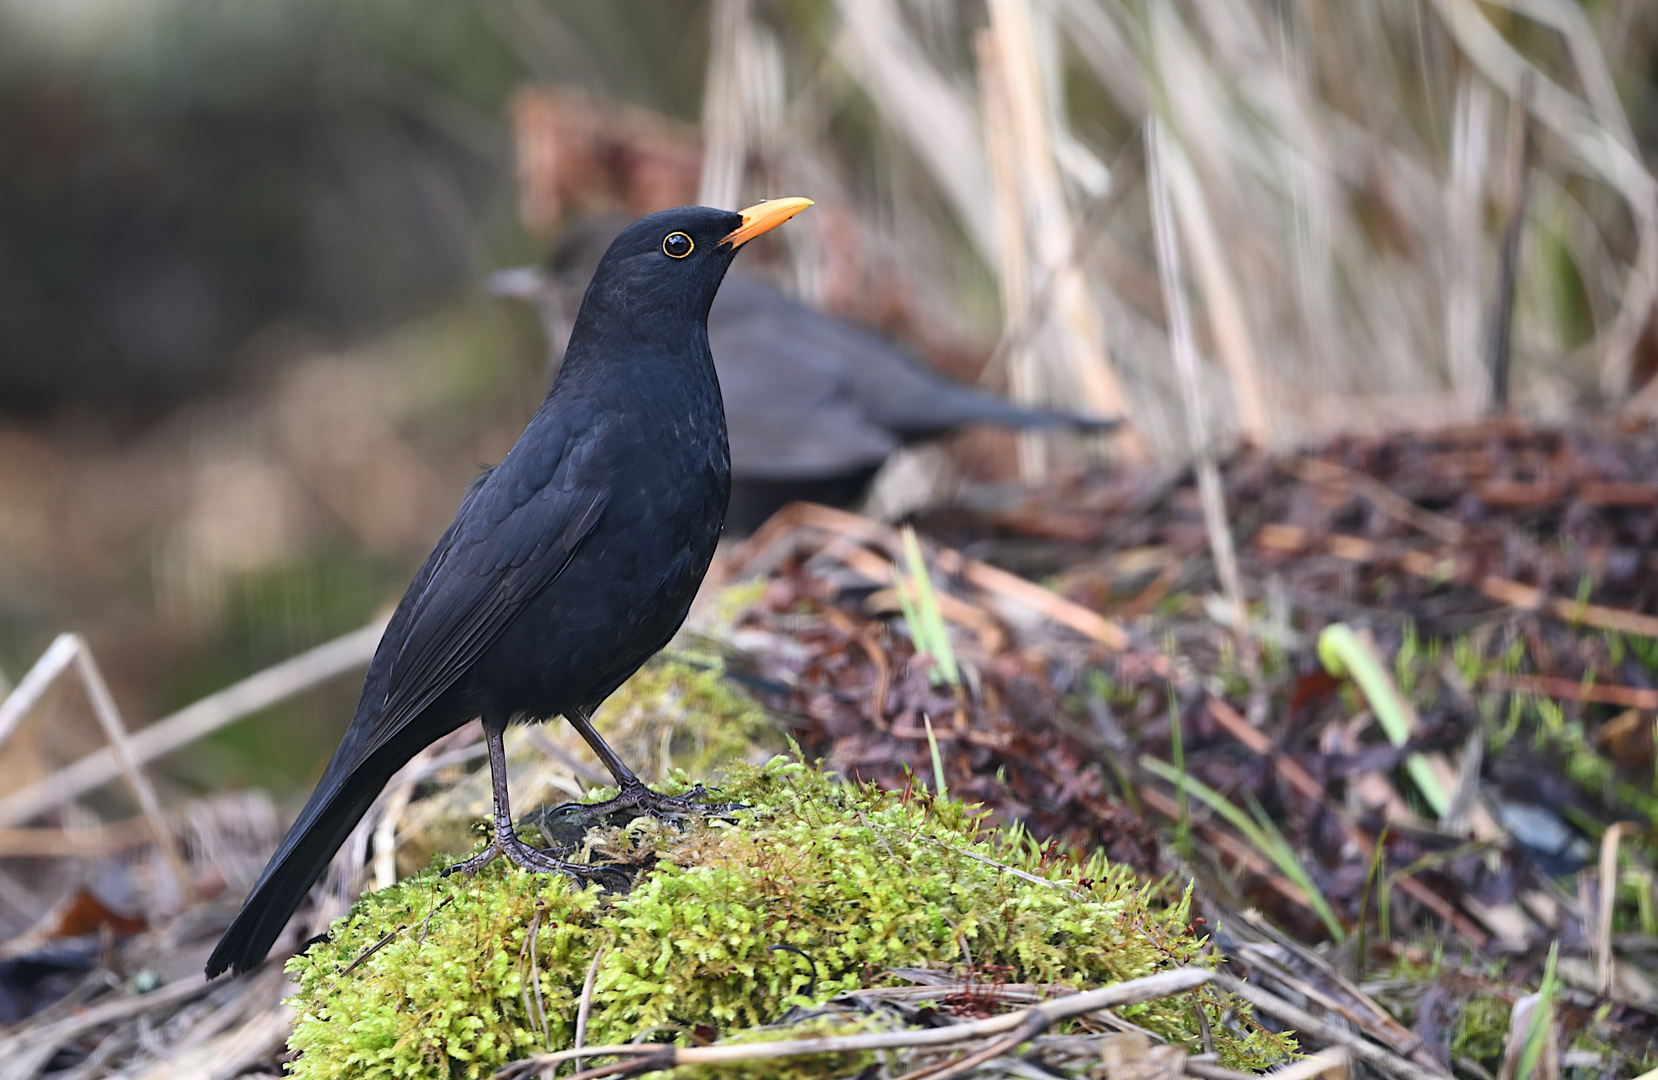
[
  {"x": 1441, "y": 566},
  {"x": 1630, "y": 697},
  {"x": 778, "y": 533}
]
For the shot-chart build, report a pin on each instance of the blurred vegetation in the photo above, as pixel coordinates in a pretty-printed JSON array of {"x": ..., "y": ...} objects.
[{"x": 192, "y": 186}]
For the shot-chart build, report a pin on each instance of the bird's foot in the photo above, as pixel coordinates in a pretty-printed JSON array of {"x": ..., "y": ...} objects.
[
  {"x": 537, "y": 861},
  {"x": 564, "y": 826}
]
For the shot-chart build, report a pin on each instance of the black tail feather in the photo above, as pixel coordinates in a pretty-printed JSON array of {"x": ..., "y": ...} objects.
[{"x": 333, "y": 810}]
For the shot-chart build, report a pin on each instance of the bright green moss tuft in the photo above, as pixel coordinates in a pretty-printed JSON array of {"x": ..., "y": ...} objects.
[{"x": 821, "y": 888}]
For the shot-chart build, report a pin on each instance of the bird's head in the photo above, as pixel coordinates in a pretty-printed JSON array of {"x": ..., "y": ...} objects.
[{"x": 669, "y": 264}]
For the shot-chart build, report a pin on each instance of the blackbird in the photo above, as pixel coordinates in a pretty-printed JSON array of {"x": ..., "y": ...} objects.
[
  {"x": 814, "y": 403},
  {"x": 568, "y": 565}
]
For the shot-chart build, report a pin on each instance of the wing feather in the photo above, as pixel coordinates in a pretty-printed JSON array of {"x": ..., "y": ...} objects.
[{"x": 518, "y": 536}]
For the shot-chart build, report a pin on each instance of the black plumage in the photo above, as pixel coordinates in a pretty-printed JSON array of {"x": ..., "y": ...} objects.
[
  {"x": 568, "y": 564},
  {"x": 814, "y": 403}
]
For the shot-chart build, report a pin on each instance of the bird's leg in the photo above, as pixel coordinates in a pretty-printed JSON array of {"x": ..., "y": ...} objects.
[
  {"x": 505, "y": 839},
  {"x": 634, "y": 795}
]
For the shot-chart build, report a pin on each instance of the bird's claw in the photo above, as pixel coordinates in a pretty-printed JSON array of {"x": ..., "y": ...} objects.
[
  {"x": 564, "y": 826},
  {"x": 538, "y": 861},
  {"x": 667, "y": 807}
]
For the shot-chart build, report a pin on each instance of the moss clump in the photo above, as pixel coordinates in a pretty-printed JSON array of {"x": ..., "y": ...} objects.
[
  {"x": 1481, "y": 1030},
  {"x": 685, "y": 693},
  {"x": 819, "y": 889}
]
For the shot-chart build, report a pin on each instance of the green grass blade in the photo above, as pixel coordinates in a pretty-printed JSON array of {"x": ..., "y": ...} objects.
[
  {"x": 939, "y": 784},
  {"x": 1272, "y": 845},
  {"x": 1344, "y": 653}
]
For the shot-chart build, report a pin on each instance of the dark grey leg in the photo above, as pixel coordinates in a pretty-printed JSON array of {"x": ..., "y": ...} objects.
[
  {"x": 580, "y": 720},
  {"x": 634, "y": 798},
  {"x": 505, "y": 840}
]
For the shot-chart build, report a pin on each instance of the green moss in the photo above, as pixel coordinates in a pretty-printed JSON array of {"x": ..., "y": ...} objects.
[
  {"x": 686, "y": 694},
  {"x": 1481, "y": 1030},
  {"x": 818, "y": 889}
]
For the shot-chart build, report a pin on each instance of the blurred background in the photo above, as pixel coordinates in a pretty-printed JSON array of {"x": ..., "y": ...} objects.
[{"x": 247, "y": 364}]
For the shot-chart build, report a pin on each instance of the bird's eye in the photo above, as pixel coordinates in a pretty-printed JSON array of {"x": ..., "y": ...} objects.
[{"x": 676, "y": 245}]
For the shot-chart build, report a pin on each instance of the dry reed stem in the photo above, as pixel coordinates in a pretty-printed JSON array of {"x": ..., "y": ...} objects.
[
  {"x": 258, "y": 691},
  {"x": 725, "y": 142},
  {"x": 1227, "y": 318},
  {"x": 71, "y": 652},
  {"x": 1159, "y": 150},
  {"x": 1077, "y": 366},
  {"x": 925, "y": 108},
  {"x": 1597, "y": 134},
  {"x": 35, "y": 682}
]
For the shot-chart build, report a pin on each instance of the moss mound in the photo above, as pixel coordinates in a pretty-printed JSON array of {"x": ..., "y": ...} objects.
[{"x": 818, "y": 889}]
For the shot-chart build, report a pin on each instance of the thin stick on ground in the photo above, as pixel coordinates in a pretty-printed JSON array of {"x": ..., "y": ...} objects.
[
  {"x": 658, "y": 1058},
  {"x": 1308, "y": 1024}
]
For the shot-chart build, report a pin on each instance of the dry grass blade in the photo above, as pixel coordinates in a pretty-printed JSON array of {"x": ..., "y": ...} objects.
[
  {"x": 1608, "y": 883},
  {"x": 24, "y": 1054},
  {"x": 1604, "y": 149},
  {"x": 35, "y": 682}
]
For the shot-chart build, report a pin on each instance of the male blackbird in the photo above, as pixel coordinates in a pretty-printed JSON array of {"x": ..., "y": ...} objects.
[
  {"x": 814, "y": 403},
  {"x": 567, "y": 566}
]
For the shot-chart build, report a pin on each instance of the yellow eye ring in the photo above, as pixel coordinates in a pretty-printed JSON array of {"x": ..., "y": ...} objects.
[{"x": 676, "y": 245}]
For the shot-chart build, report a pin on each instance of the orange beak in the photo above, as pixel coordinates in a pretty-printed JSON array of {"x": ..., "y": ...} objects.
[{"x": 764, "y": 217}]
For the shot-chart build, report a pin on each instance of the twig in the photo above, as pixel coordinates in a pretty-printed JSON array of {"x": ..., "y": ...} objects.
[
  {"x": 1331, "y": 1062},
  {"x": 1308, "y": 1024},
  {"x": 1132, "y": 992},
  {"x": 256, "y": 692},
  {"x": 362, "y": 957},
  {"x": 1318, "y": 471}
]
